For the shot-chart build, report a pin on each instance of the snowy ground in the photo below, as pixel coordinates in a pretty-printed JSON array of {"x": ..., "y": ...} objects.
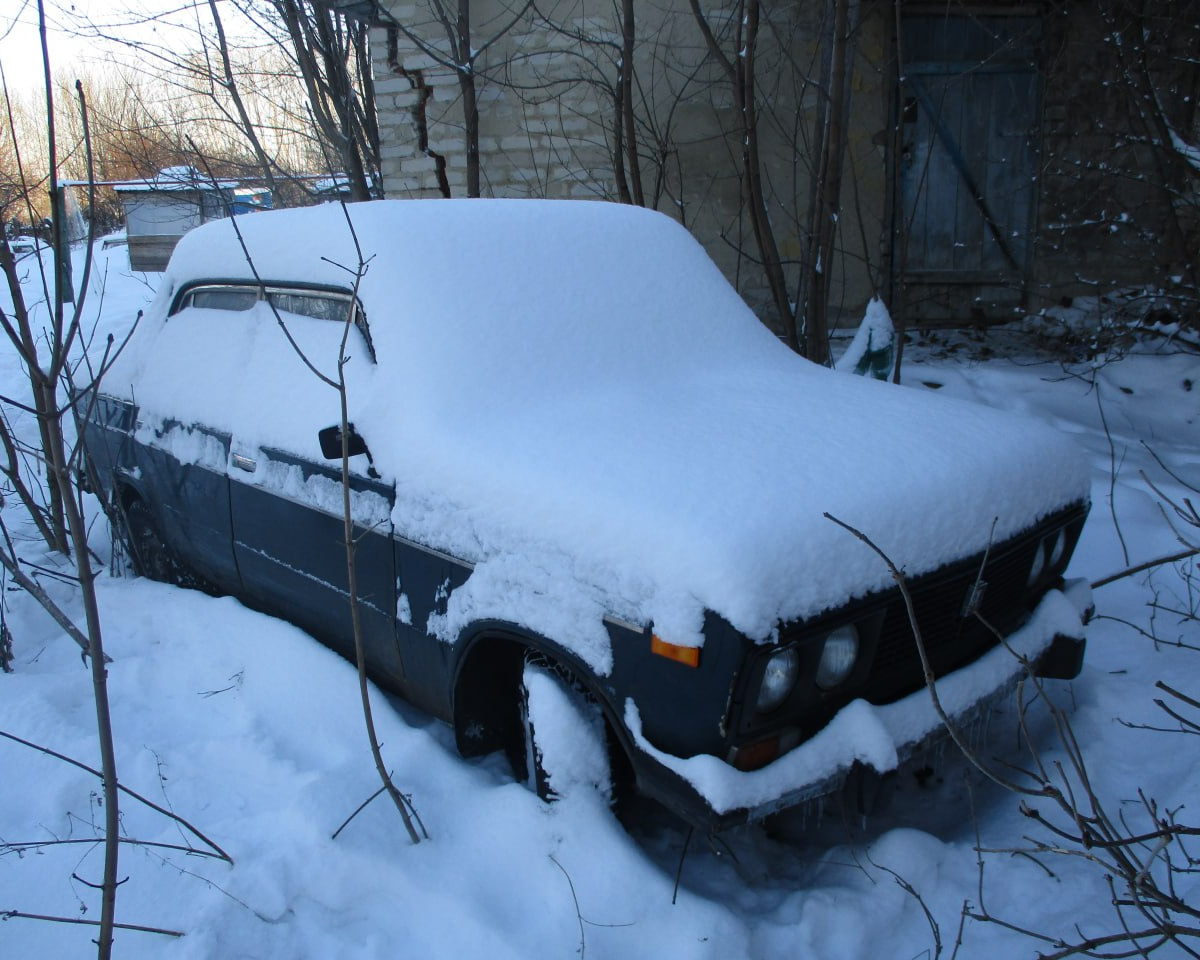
[{"x": 252, "y": 732}]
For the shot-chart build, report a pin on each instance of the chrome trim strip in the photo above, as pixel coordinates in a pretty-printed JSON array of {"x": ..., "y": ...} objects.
[
  {"x": 626, "y": 624},
  {"x": 434, "y": 552}
]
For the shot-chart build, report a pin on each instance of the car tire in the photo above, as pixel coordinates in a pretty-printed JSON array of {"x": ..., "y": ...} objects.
[
  {"x": 564, "y": 748},
  {"x": 149, "y": 553}
]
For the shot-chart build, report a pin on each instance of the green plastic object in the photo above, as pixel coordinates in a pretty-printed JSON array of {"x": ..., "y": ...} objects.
[{"x": 876, "y": 361}]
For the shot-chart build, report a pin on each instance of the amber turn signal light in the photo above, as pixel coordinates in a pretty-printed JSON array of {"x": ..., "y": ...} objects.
[{"x": 688, "y": 656}]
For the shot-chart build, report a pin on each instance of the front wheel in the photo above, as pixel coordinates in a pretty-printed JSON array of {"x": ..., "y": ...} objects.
[{"x": 565, "y": 747}]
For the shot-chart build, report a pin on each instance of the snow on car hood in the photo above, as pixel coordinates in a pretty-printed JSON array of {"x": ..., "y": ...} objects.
[{"x": 572, "y": 397}]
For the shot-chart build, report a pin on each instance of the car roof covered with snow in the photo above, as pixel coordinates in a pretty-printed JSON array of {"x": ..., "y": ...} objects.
[{"x": 570, "y": 396}]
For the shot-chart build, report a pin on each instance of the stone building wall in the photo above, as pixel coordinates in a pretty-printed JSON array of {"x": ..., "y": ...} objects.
[
  {"x": 548, "y": 116},
  {"x": 547, "y": 122}
]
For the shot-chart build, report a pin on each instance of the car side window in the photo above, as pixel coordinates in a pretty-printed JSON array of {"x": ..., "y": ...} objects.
[
  {"x": 320, "y": 304},
  {"x": 220, "y": 298},
  {"x": 311, "y": 305}
]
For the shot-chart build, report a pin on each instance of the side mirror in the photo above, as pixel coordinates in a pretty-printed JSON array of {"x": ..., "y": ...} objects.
[{"x": 331, "y": 442}]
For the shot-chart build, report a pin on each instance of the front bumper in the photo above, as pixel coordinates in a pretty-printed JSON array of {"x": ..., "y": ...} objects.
[{"x": 711, "y": 794}]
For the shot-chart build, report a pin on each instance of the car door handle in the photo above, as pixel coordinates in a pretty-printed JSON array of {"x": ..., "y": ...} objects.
[{"x": 244, "y": 463}]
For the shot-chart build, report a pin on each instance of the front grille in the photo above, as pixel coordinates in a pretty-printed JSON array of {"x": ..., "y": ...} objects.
[
  {"x": 890, "y": 664},
  {"x": 951, "y": 640}
]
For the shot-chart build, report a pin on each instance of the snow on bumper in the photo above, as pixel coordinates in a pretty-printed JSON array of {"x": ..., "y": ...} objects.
[{"x": 880, "y": 737}]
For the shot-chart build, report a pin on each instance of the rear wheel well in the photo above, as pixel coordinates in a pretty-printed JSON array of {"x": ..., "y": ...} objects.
[
  {"x": 150, "y": 554},
  {"x": 125, "y": 494}
]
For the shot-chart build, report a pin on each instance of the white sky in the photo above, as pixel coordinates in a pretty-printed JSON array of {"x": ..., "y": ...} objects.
[
  {"x": 134, "y": 20},
  {"x": 20, "y": 48}
]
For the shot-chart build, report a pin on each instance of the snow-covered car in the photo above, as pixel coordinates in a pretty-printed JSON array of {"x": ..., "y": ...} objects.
[{"x": 577, "y": 456}]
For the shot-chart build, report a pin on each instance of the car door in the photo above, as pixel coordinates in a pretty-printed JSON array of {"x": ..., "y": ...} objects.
[
  {"x": 168, "y": 442},
  {"x": 181, "y": 472},
  {"x": 286, "y": 500},
  {"x": 289, "y": 543}
]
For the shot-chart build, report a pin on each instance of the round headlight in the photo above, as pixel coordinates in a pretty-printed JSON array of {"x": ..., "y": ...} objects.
[
  {"x": 778, "y": 679},
  {"x": 1038, "y": 567},
  {"x": 1056, "y": 549},
  {"x": 838, "y": 657}
]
